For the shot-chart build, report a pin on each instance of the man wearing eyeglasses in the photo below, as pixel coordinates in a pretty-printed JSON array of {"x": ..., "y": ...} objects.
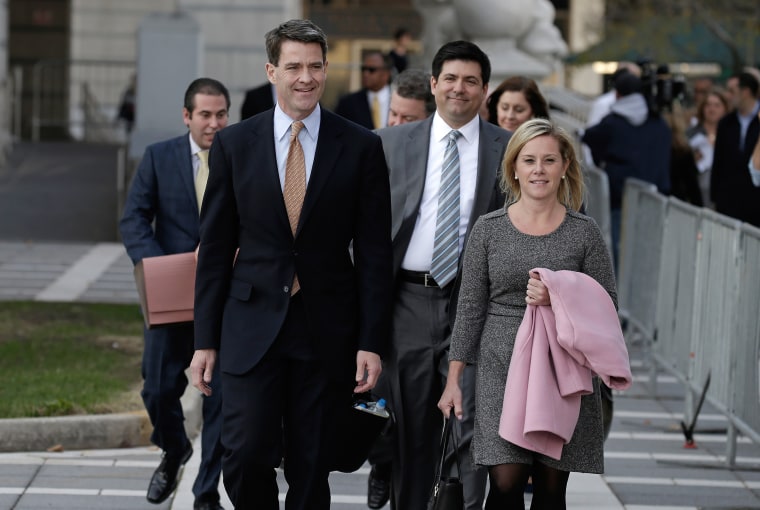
[{"x": 368, "y": 107}]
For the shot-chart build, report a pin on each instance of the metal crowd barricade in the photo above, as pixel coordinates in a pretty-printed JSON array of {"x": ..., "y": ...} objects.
[
  {"x": 671, "y": 345},
  {"x": 702, "y": 298},
  {"x": 715, "y": 294},
  {"x": 743, "y": 405},
  {"x": 597, "y": 200},
  {"x": 640, "y": 245}
]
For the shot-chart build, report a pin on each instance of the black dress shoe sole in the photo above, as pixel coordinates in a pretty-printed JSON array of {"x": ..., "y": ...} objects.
[
  {"x": 207, "y": 506},
  {"x": 378, "y": 492}
]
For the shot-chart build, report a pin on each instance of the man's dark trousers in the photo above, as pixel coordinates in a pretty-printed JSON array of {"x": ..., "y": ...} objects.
[{"x": 166, "y": 356}]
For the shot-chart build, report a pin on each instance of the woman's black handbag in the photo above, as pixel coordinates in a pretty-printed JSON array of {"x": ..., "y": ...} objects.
[{"x": 447, "y": 491}]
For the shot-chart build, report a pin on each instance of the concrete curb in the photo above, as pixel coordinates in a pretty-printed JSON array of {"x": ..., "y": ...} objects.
[{"x": 86, "y": 432}]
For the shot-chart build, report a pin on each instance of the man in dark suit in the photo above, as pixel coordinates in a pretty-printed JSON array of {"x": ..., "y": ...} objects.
[
  {"x": 296, "y": 323},
  {"x": 166, "y": 193},
  {"x": 257, "y": 100},
  {"x": 738, "y": 131},
  {"x": 425, "y": 303},
  {"x": 368, "y": 107}
]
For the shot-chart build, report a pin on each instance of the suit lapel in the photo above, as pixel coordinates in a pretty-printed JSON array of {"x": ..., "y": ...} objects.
[
  {"x": 412, "y": 168},
  {"x": 185, "y": 166},
  {"x": 329, "y": 146},
  {"x": 261, "y": 157},
  {"x": 416, "y": 156},
  {"x": 490, "y": 151}
]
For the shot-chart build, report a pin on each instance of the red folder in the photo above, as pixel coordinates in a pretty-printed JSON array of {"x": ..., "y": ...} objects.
[{"x": 166, "y": 285}]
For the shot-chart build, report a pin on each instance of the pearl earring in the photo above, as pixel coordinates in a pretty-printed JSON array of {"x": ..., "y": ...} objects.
[{"x": 563, "y": 176}]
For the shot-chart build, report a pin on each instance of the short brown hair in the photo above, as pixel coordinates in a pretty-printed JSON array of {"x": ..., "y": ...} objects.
[{"x": 299, "y": 30}]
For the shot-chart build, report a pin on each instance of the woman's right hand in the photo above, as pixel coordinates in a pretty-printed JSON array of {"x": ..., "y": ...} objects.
[{"x": 451, "y": 398}]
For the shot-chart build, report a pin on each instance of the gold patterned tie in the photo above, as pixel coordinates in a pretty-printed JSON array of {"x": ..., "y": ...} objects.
[
  {"x": 295, "y": 185},
  {"x": 376, "y": 117},
  {"x": 202, "y": 178}
]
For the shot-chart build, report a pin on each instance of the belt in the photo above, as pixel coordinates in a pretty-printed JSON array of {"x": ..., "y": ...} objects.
[{"x": 417, "y": 277}]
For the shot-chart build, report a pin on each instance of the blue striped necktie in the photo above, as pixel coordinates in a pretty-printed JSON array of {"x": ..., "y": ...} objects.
[{"x": 446, "y": 244}]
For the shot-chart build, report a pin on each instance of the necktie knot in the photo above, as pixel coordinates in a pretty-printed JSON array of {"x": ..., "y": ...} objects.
[
  {"x": 203, "y": 157},
  {"x": 295, "y": 128},
  {"x": 454, "y": 136}
]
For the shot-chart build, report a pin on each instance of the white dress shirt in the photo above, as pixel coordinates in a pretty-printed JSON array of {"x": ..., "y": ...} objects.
[
  {"x": 384, "y": 100},
  {"x": 754, "y": 173},
  {"x": 307, "y": 136},
  {"x": 194, "y": 150},
  {"x": 420, "y": 252},
  {"x": 744, "y": 123}
]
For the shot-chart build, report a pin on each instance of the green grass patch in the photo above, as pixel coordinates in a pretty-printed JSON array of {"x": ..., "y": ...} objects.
[{"x": 69, "y": 358}]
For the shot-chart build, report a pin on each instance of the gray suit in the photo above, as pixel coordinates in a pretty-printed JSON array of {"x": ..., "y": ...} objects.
[{"x": 415, "y": 371}]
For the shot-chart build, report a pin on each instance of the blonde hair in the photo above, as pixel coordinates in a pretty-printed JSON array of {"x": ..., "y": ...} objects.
[{"x": 571, "y": 188}]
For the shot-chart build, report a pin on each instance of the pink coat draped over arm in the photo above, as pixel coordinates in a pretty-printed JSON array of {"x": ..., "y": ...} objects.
[{"x": 557, "y": 350}]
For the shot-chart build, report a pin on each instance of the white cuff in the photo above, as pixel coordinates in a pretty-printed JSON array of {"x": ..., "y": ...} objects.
[{"x": 754, "y": 173}]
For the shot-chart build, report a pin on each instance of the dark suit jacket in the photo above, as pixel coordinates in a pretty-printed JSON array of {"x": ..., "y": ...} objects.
[
  {"x": 163, "y": 190},
  {"x": 355, "y": 107},
  {"x": 257, "y": 100},
  {"x": 240, "y": 310},
  {"x": 406, "y": 151},
  {"x": 731, "y": 186}
]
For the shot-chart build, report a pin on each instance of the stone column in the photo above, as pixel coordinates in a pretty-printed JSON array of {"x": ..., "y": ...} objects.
[{"x": 518, "y": 35}]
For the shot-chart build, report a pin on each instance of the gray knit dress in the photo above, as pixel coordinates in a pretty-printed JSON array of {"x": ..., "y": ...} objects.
[{"x": 491, "y": 307}]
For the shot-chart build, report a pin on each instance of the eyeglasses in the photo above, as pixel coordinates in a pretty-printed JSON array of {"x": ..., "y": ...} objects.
[{"x": 370, "y": 69}]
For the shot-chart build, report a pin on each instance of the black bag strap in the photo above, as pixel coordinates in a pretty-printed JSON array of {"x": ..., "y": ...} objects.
[{"x": 447, "y": 431}]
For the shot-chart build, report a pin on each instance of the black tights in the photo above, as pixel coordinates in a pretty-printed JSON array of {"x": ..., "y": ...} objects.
[{"x": 508, "y": 486}]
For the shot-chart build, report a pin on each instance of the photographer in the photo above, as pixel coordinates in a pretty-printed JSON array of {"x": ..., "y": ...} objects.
[{"x": 632, "y": 141}]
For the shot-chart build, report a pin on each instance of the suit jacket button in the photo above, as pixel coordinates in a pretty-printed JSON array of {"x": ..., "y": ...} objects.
[{"x": 286, "y": 289}]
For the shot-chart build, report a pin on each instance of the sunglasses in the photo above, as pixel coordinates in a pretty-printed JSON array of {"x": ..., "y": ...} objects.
[{"x": 370, "y": 69}]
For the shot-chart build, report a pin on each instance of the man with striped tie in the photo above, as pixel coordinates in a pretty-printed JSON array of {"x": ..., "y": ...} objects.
[{"x": 444, "y": 175}]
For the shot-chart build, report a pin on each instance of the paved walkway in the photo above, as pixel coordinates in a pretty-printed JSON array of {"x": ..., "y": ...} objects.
[
  {"x": 646, "y": 464},
  {"x": 88, "y": 272}
]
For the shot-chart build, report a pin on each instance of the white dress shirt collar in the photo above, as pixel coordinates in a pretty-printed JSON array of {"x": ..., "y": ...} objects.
[
  {"x": 194, "y": 147},
  {"x": 282, "y": 122},
  {"x": 383, "y": 95},
  {"x": 384, "y": 100},
  {"x": 307, "y": 136},
  {"x": 440, "y": 129},
  {"x": 194, "y": 158}
]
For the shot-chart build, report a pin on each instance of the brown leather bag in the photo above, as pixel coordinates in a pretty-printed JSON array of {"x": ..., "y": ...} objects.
[{"x": 166, "y": 285}]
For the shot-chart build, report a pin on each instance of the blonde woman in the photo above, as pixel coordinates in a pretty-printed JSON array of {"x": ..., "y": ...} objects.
[{"x": 539, "y": 227}]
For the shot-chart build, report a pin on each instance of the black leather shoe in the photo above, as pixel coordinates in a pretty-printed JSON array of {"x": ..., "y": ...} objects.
[
  {"x": 378, "y": 491},
  {"x": 164, "y": 479},
  {"x": 207, "y": 505}
]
